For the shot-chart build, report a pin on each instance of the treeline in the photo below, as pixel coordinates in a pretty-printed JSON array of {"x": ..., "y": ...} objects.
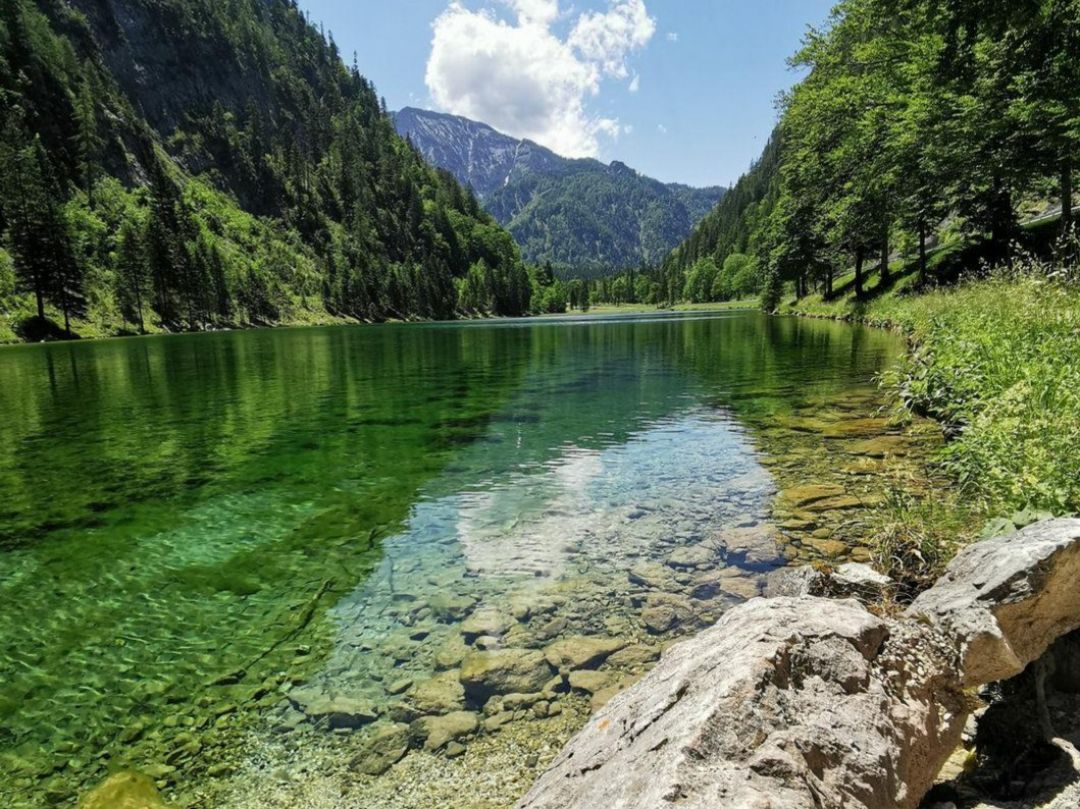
[
  {"x": 915, "y": 117},
  {"x": 250, "y": 177}
]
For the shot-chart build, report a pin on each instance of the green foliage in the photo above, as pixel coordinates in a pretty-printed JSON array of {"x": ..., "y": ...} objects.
[
  {"x": 700, "y": 281},
  {"x": 995, "y": 360},
  {"x": 915, "y": 119},
  {"x": 594, "y": 217},
  {"x": 303, "y": 203}
]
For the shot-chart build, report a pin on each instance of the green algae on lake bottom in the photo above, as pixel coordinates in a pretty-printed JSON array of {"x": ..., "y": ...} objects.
[{"x": 211, "y": 538}]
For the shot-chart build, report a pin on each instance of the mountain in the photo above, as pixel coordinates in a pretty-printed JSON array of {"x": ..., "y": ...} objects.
[
  {"x": 735, "y": 224},
  {"x": 585, "y": 217},
  {"x": 186, "y": 164}
]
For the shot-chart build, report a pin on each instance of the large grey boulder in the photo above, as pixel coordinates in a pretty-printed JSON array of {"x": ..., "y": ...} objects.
[
  {"x": 1004, "y": 601},
  {"x": 803, "y": 701},
  {"x": 788, "y": 702}
]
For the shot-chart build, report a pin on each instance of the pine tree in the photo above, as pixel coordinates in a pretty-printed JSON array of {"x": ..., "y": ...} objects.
[{"x": 133, "y": 276}]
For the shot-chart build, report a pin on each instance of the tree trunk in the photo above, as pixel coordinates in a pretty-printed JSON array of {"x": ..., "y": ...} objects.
[
  {"x": 860, "y": 257},
  {"x": 884, "y": 259},
  {"x": 829, "y": 283},
  {"x": 1066, "y": 209},
  {"x": 923, "y": 272},
  {"x": 1001, "y": 226},
  {"x": 40, "y": 295},
  {"x": 67, "y": 314}
]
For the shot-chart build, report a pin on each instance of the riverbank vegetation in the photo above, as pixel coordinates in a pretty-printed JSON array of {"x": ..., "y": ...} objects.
[{"x": 921, "y": 177}]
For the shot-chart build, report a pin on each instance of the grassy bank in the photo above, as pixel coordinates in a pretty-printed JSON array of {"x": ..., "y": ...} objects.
[
  {"x": 997, "y": 362},
  {"x": 635, "y": 308}
]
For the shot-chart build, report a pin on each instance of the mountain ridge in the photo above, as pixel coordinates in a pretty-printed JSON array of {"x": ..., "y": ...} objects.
[{"x": 584, "y": 216}]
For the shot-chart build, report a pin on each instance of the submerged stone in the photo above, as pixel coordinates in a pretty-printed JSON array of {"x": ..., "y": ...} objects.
[
  {"x": 590, "y": 682},
  {"x": 857, "y": 428},
  {"x": 124, "y": 790},
  {"x": 485, "y": 623},
  {"x": 383, "y": 750},
  {"x": 802, "y": 496},
  {"x": 434, "y": 732},
  {"x": 581, "y": 652},
  {"x": 503, "y": 671},
  {"x": 441, "y": 694}
]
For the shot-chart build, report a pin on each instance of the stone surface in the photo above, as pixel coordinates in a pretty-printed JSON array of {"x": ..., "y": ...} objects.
[
  {"x": 441, "y": 694},
  {"x": 860, "y": 581},
  {"x": 590, "y": 682},
  {"x": 754, "y": 547},
  {"x": 338, "y": 711},
  {"x": 795, "y": 702},
  {"x": 486, "y": 622},
  {"x": 651, "y": 574},
  {"x": 435, "y": 732},
  {"x": 784, "y": 703},
  {"x": 124, "y": 790},
  {"x": 383, "y": 750},
  {"x": 1006, "y": 600},
  {"x": 504, "y": 671},
  {"x": 692, "y": 556},
  {"x": 581, "y": 651},
  {"x": 802, "y": 496}
]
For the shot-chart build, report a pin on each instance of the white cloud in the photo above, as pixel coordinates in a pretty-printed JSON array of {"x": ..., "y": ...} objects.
[
  {"x": 673, "y": 36},
  {"x": 607, "y": 38},
  {"x": 635, "y": 83},
  {"x": 523, "y": 78},
  {"x": 661, "y": 129},
  {"x": 628, "y": 129}
]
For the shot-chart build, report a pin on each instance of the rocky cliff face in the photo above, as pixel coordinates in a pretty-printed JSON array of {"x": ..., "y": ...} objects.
[
  {"x": 582, "y": 215},
  {"x": 801, "y": 701}
]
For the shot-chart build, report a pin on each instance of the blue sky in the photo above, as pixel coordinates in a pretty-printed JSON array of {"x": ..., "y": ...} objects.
[{"x": 682, "y": 90}]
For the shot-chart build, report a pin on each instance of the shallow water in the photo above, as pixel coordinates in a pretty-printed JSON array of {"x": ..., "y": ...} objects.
[{"x": 195, "y": 530}]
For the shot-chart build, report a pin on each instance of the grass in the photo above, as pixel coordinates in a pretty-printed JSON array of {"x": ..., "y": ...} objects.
[
  {"x": 636, "y": 308},
  {"x": 995, "y": 359}
]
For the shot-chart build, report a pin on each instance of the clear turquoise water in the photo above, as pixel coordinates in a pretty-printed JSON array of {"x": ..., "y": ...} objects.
[{"x": 172, "y": 508}]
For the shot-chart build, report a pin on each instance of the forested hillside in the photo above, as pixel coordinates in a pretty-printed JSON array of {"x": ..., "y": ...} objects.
[
  {"x": 584, "y": 217},
  {"x": 186, "y": 164},
  {"x": 919, "y": 124}
]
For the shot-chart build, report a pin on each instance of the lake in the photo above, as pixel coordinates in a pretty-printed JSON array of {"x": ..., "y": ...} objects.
[{"x": 233, "y": 560}]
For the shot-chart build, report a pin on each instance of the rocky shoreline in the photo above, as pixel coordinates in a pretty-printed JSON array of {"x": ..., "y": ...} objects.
[{"x": 801, "y": 701}]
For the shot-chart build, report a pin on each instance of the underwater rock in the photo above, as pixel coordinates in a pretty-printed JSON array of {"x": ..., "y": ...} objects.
[
  {"x": 503, "y": 671},
  {"x": 441, "y": 694},
  {"x": 451, "y": 653},
  {"x": 434, "y": 732},
  {"x": 651, "y": 574},
  {"x": 124, "y": 790},
  {"x": 634, "y": 656},
  {"x": 755, "y": 546},
  {"x": 659, "y": 619},
  {"x": 383, "y": 750},
  {"x": 485, "y": 623},
  {"x": 842, "y": 503},
  {"x": 581, "y": 652},
  {"x": 343, "y": 712},
  {"x": 802, "y": 496},
  {"x": 886, "y": 445},
  {"x": 590, "y": 682},
  {"x": 691, "y": 557},
  {"x": 857, "y": 428},
  {"x": 451, "y": 609}
]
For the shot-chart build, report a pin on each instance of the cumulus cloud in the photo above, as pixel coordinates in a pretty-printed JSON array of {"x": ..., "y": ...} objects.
[
  {"x": 635, "y": 83},
  {"x": 523, "y": 77},
  {"x": 673, "y": 36}
]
